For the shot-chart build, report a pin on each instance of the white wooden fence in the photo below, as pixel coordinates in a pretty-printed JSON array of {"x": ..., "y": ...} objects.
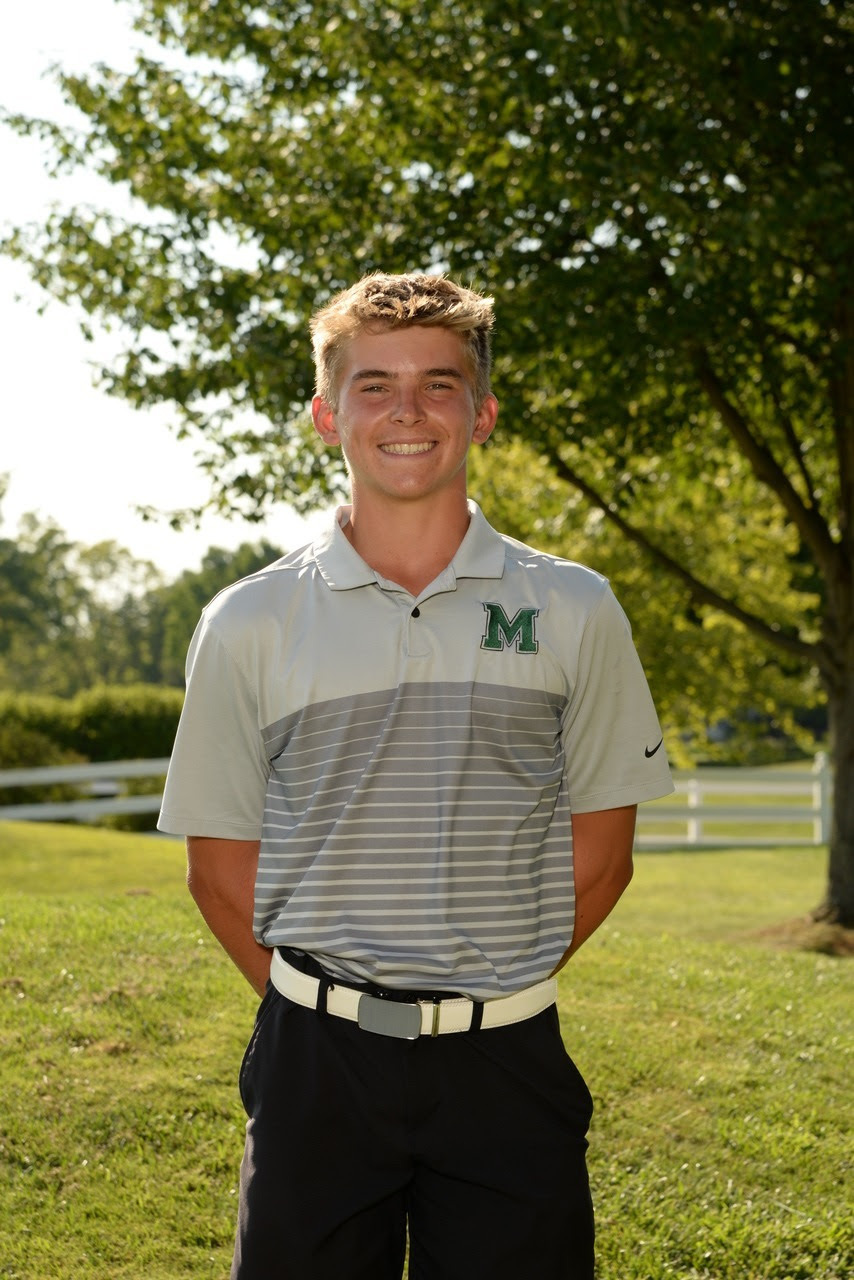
[
  {"x": 99, "y": 784},
  {"x": 713, "y": 807},
  {"x": 716, "y": 807}
]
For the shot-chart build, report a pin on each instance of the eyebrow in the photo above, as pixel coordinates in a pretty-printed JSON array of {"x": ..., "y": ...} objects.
[{"x": 362, "y": 374}]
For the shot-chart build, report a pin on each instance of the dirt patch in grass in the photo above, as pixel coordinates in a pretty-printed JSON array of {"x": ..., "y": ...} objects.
[{"x": 805, "y": 934}]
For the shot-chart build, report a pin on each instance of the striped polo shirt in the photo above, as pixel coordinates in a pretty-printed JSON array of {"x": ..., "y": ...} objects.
[{"x": 409, "y": 764}]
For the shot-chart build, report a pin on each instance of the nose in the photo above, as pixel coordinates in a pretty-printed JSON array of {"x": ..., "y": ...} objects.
[{"x": 407, "y": 408}]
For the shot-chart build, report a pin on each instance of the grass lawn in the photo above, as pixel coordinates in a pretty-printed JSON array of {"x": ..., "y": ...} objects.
[{"x": 719, "y": 1060}]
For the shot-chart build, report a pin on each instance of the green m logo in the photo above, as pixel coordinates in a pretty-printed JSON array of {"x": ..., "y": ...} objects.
[{"x": 501, "y": 631}]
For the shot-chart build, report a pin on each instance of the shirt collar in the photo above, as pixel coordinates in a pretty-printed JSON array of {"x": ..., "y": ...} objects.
[
  {"x": 481, "y": 552},
  {"x": 479, "y": 555},
  {"x": 340, "y": 565}
]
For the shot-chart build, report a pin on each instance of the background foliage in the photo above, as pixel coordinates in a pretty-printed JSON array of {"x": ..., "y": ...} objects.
[
  {"x": 74, "y": 617},
  {"x": 126, "y": 722}
]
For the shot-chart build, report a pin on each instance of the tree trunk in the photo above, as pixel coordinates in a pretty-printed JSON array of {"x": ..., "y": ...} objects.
[{"x": 838, "y": 904}]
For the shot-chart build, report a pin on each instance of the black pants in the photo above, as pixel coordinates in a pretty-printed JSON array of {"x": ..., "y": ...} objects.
[{"x": 477, "y": 1139}]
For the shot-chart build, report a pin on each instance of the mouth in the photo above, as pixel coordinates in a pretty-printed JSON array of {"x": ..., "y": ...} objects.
[{"x": 406, "y": 450}]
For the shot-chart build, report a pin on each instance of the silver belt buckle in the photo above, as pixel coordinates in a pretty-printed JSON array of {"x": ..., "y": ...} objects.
[{"x": 390, "y": 1017}]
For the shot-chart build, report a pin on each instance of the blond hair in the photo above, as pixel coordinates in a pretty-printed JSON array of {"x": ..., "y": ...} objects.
[{"x": 379, "y": 301}]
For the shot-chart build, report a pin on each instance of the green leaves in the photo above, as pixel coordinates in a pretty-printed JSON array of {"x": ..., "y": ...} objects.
[
  {"x": 73, "y": 616},
  {"x": 660, "y": 201}
]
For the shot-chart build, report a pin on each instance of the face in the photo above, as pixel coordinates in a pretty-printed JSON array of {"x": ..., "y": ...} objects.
[{"x": 406, "y": 415}]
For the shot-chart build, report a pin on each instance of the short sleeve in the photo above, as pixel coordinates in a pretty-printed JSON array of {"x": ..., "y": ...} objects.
[
  {"x": 218, "y": 772},
  {"x": 611, "y": 736}
]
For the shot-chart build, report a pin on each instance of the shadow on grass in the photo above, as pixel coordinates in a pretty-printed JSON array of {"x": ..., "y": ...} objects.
[{"x": 805, "y": 934}]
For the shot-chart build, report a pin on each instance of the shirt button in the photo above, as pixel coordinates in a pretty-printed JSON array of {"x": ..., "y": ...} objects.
[{"x": 416, "y": 612}]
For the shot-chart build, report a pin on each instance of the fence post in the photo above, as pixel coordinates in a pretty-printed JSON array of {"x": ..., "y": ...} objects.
[
  {"x": 821, "y": 798},
  {"x": 695, "y": 825}
]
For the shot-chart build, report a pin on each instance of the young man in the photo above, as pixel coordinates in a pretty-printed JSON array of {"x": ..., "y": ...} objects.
[{"x": 407, "y": 769}]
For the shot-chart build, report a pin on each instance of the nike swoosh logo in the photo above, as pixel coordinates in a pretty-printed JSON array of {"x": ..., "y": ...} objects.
[{"x": 649, "y": 753}]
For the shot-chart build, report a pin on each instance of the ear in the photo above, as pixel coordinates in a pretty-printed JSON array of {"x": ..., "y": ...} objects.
[
  {"x": 323, "y": 417},
  {"x": 485, "y": 420}
]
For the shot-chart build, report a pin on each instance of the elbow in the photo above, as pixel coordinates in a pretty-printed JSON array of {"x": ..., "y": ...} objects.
[
  {"x": 202, "y": 887},
  {"x": 198, "y": 890},
  {"x": 201, "y": 884}
]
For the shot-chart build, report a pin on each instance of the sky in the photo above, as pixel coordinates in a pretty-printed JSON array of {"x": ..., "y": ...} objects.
[{"x": 71, "y": 452}]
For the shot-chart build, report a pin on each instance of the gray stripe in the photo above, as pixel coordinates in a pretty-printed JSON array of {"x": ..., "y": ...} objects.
[
  {"x": 372, "y": 878},
  {"x": 438, "y": 808},
  {"x": 490, "y": 702}
]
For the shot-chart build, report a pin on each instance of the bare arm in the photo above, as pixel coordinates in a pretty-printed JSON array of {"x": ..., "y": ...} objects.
[
  {"x": 221, "y": 879},
  {"x": 602, "y": 855}
]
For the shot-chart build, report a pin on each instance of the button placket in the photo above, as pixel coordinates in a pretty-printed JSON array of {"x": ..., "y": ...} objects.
[{"x": 416, "y": 640}]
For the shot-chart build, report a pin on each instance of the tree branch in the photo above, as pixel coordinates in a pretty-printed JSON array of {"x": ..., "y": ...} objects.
[
  {"x": 805, "y": 515},
  {"x": 700, "y": 591},
  {"x": 785, "y": 337},
  {"x": 789, "y": 433},
  {"x": 766, "y": 468}
]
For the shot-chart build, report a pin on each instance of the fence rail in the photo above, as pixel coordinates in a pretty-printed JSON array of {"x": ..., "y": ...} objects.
[
  {"x": 800, "y": 815},
  {"x": 95, "y": 779}
]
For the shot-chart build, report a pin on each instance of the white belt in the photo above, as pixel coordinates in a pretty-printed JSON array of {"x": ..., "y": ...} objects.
[{"x": 407, "y": 1020}]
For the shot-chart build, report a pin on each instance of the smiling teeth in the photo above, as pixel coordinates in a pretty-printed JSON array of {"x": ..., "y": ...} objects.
[{"x": 424, "y": 447}]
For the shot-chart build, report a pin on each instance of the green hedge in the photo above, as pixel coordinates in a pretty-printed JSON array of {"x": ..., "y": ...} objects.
[{"x": 108, "y": 722}]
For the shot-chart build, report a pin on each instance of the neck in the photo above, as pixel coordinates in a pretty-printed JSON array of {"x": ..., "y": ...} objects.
[{"x": 412, "y": 543}]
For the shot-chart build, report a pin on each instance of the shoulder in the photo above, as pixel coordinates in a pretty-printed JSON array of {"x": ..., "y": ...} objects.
[
  {"x": 493, "y": 553},
  {"x": 555, "y": 574},
  {"x": 263, "y": 593}
]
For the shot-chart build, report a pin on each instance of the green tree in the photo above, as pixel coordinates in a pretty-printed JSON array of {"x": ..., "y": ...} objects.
[
  {"x": 113, "y": 632},
  {"x": 71, "y": 616},
  {"x": 43, "y": 600},
  {"x": 660, "y": 198},
  {"x": 74, "y": 617}
]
